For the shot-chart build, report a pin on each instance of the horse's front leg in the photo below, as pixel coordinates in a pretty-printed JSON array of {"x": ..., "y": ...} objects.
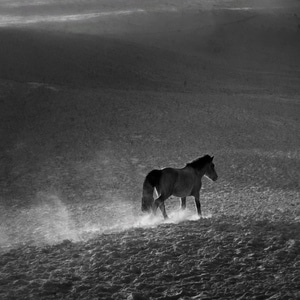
[
  {"x": 183, "y": 203},
  {"x": 198, "y": 204},
  {"x": 160, "y": 202}
]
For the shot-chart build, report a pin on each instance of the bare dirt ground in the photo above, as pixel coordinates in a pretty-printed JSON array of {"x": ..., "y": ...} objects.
[{"x": 94, "y": 95}]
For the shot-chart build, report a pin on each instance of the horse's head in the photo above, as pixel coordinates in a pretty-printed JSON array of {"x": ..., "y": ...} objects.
[{"x": 210, "y": 170}]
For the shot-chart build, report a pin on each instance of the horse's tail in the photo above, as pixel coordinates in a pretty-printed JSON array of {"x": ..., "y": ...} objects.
[{"x": 151, "y": 181}]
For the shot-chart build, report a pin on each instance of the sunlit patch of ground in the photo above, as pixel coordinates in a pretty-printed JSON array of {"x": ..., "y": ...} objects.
[
  {"x": 22, "y": 13},
  {"x": 20, "y": 20}
]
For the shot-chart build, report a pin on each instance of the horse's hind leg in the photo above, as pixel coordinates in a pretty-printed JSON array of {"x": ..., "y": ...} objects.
[
  {"x": 183, "y": 203},
  {"x": 160, "y": 202}
]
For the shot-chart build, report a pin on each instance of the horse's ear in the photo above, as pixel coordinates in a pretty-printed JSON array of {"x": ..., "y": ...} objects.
[{"x": 212, "y": 158}]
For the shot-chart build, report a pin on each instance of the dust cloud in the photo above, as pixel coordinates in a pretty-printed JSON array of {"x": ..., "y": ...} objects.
[
  {"x": 50, "y": 221},
  {"x": 46, "y": 221}
]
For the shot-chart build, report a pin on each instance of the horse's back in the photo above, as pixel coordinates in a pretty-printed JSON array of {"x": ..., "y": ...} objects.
[{"x": 170, "y": 174}]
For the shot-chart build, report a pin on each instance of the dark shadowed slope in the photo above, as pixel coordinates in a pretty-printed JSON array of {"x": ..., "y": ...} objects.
[
  {"x": 190, "y": 49},
  {"x": 80, "y": 60}
]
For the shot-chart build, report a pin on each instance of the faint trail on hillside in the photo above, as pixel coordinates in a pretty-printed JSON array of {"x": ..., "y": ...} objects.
[{"x": 19, "y": 20}]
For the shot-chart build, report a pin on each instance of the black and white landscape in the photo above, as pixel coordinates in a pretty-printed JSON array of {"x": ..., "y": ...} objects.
[{"x": 94, "y": 94}]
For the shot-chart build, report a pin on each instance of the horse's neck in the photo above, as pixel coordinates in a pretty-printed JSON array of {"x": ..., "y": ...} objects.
[{"x": 199, "y": 173}]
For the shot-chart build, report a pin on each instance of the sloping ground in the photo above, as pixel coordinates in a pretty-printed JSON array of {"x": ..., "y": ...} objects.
[
  {"x": 217, "y": 258},
  {"x": 73, "y": 170},
  {"x": 113, "y": 138}
]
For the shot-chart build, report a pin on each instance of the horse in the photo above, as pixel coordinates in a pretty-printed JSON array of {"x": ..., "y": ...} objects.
[{"x": 177, "y": 182}]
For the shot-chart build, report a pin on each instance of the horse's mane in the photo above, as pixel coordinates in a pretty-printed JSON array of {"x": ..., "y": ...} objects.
[{"x": 200, "y": 162}]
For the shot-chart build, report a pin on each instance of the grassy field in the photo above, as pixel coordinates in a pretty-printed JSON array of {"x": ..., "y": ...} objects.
[{"x": 93, "y": 96}]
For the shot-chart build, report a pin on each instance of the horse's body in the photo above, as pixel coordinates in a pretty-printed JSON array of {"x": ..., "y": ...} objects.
[{"x": 177, "y": 182}]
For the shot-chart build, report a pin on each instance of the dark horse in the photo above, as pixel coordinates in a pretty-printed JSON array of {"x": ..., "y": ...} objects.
[{"x": 177, "y": 182}]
